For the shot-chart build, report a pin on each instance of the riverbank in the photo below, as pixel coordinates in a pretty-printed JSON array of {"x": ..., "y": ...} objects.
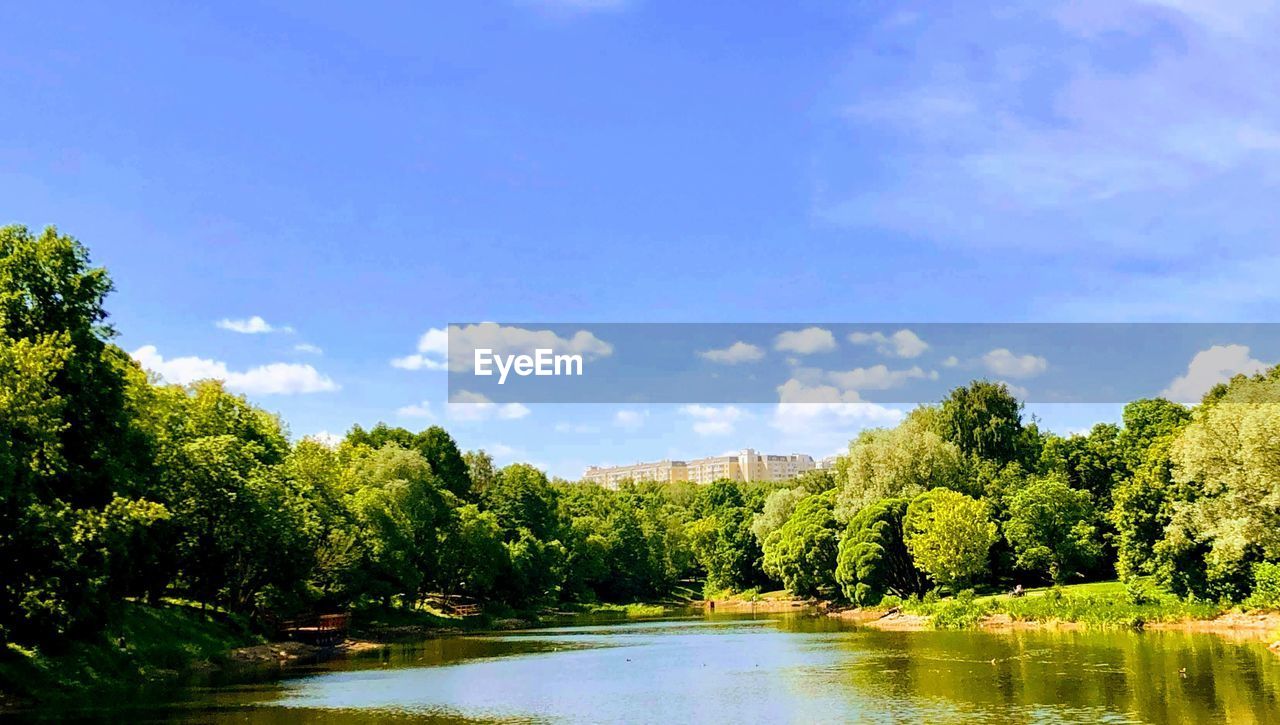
[
  {"x": 142, "y": 648},
  {"x": 1097, "y": 605}
]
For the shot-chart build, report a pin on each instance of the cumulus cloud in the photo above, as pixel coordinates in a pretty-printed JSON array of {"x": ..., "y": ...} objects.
[
  {"x": 1218, "y": 364},
  {"x": 903, "y": 343},
  {"x": 630, "y": 419},
  {"x": 738, "y": 352},
  {"x": 416, "y": 410},
  {"x": 465, "y": 405},
  {"x": 710, "y": 420},
  {"x": 824, "y": 416},
  {"x": 432, "y": 352},
  {"x": 250, "y": 326},
  {"x": 1003, "y": 362},
  {"x": 951, "y": 361},
  {"x": 271, "y": 379},
  {"x": 806, "y": 341},
  {"x": 878, "y": 377},
  {"x": 308, "y": 348}
]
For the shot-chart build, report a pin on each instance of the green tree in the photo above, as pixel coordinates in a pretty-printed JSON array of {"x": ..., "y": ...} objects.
[
  {"x": 948, "y": 535},
  {"x": 873, "y": 559},
  {"x": 802, "y": 554},
  {"x": 778, "y": 507},
  {"x": 481, "y": 471},
  {"x": 984, "y": 420},
  {"x": 1229, "y": 455},
  {"x": 901, "y": 461},
  {"x": 438, "y": 447},
  {"x": 404, "y": 512},
  {"x": 521, "y": 497},
  {"x": 1050, "y": 528}
]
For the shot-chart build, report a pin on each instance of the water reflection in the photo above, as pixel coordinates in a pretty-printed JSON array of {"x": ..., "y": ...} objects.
[{"x": 782, "y": 668}]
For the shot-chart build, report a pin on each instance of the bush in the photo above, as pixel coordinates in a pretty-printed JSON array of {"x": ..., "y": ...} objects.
[
  {"x": 1266, "y": 586},
  {"x": 1139, "y": 592}
]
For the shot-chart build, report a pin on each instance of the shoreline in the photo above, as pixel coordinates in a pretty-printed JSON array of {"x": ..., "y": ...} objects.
[{"x": 1260, "y": 626}]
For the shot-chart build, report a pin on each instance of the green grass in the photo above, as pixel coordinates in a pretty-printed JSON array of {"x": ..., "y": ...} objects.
[
  {"x": 630, "y": 610},
  {"x": 1096, "y": 604},
  {"x": 142, "y": 648}
]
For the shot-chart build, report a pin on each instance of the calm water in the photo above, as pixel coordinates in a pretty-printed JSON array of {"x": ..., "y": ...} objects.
[{"x": 785, "y": 668}]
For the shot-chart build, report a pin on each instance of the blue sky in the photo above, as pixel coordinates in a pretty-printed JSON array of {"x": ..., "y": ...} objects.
[{"x": 356, "y": 176}]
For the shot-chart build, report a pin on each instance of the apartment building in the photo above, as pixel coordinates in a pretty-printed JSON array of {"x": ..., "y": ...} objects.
[
  {"x": 611, "y": 476},
  {"x": 745, "y": 465}
]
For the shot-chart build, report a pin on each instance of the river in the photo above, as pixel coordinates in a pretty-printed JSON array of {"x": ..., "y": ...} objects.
[{"x": 766, "y": 668}]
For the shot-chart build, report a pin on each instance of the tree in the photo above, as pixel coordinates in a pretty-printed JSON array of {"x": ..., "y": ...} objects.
[
  {"x": 948, "y": 535},
  {"x": 521, "y": 497},
  {"x": 873, "y": 559},
  {"x": 720, "y": 537},
  {"x": 984, "y": 420},
  {"x": 1230, "y": 455},
  {"x": 802, "y": 554},
  {"x": 901, "y": 461},
  {"x": 1050, "y": 528},
  {"x": 474, "y": 558},
  {"x": 437, "y": 446},
  {"x": 480, "y": 469},
  {"x": 778, "y": 507},
  {"x": 1147, "y": 421},
  {"x": 1092, "y": 463},
  {"x": 404, "y": 512},
  {"x": 68, "y": 446}
]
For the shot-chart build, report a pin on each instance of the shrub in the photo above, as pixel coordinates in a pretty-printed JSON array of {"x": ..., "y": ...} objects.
[{"x": 1266, "y": 586}]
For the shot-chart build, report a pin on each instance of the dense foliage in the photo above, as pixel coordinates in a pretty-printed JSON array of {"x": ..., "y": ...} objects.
[{"x": 116, "y": 487}]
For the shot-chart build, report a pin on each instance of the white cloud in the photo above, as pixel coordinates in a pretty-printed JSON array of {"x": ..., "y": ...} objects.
[
  {"x": 823, "y": 416},
  {"x": 325, "y": 438},
  {"x": 630, "y": 419},
  {"x": 806, "y": 341},
  {"x": 738, "y": 352},
  {"x": 271, "y": 379},
  {"x": 1217, "y": 364},
  {"x": 951, "y": 361},
  {"x": 502, "y": 450},
  {"x": 580, "y": 428},
  {"x": 432, "y": 352},
  {"x": 710, "y": 420},
  {"x": 878, "y": 377},
  {"x": 1003, "y": 362},
  {"x": 903, "y": 343},
  {"x": 416, "y": 410},
  {"x": 465, "y": 405},
  {"x": 1016, "y": 391},
  {"x": 250, "y": 326},
  {"x": 308, "y": 348}
]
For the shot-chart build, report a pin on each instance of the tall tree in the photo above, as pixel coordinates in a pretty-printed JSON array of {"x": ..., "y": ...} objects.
[
  {"x": 1051, "y": 528},
  {"x": 948, "y": 535},
  {"x": 984, "y": 420},
  {"x": 873, "y": 559}
]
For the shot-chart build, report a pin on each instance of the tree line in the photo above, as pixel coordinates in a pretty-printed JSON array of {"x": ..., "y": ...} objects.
[{"x": 116, "y": 487}]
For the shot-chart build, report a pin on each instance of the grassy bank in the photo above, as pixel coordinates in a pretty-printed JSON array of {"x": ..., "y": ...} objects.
[
  {"x": 1098, "y": 604},
  {"x": 143, "y": 648}
]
